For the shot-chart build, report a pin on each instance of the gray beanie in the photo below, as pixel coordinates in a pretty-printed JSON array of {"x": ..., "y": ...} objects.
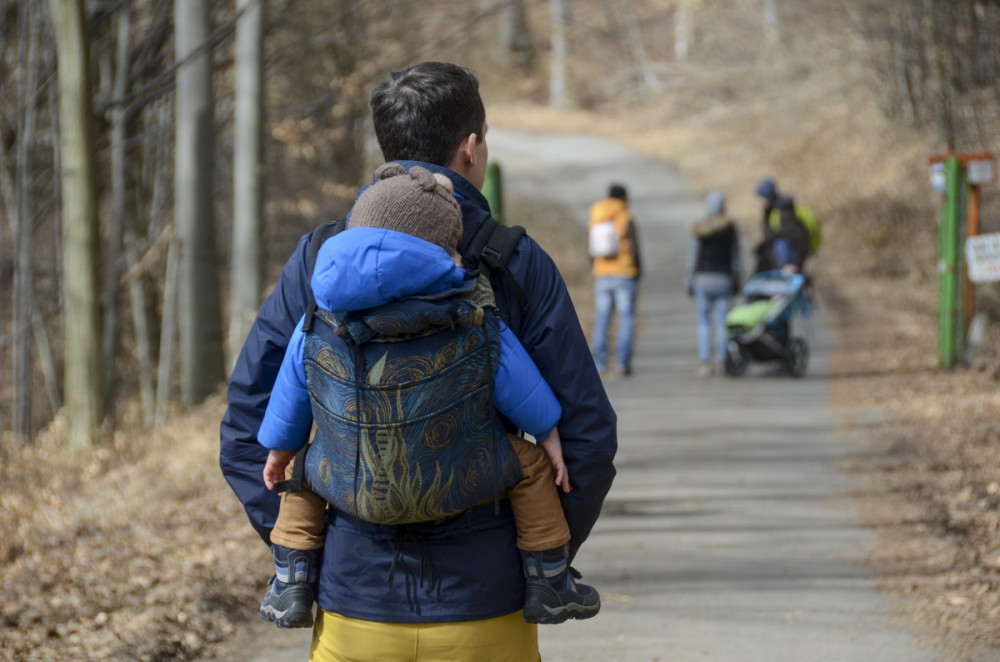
[
  {"x": 766, "y": 188},
  {"x": 417, "y": 202},
  {"x": 715, "y": 204}
]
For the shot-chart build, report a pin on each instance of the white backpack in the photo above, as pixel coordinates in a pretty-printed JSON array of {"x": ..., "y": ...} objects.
[{"x": 603, "y": 239}]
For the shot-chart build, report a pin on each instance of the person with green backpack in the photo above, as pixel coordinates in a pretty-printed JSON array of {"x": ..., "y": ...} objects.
[{"x": 792, "y": 232}]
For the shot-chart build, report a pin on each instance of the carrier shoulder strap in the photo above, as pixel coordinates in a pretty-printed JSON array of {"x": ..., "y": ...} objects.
[
  {"x": 493, "y": 245},
  {"x": 319, "y": 235}
]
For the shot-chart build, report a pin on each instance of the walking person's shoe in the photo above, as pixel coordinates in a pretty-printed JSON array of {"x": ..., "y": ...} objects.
[
  {"x": 551, "y": 593},
  {"x": 705, "y": 370},
  {"x": 289, "y": 601}
]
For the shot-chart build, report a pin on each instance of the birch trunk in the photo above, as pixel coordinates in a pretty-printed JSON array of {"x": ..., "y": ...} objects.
[
  {"x": 80, "y": 237},
  {"x": 558, "y": 64},
  {"x": 246, "y": 277}
]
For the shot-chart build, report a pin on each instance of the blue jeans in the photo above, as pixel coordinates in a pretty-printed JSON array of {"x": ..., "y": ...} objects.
[
  {"x": 613, "y": 293},
  {"x": 712, "y": 308}
]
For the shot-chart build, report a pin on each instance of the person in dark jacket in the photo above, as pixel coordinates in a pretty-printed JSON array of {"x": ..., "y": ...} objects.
[
  {"x": 432, "y": 115},
  {"x": 713, "y": 278},
  {"x": 786, "y": 240},
  {"x": 402, "y": 246}
]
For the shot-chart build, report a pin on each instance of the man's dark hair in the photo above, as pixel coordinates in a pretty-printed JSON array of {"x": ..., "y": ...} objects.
[
  {"x": 617, "y": 191},
  {"x": 422, "y": 113}
]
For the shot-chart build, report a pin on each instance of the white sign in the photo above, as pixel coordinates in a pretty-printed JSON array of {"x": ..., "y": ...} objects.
[
  {"x": 980, "y": 171},
  {"x": 937, "y": 176},
  {"x": 982, "y": 255}
]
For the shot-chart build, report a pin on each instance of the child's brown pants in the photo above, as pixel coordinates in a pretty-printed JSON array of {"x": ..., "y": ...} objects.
[{"x": 538, "y": 513}]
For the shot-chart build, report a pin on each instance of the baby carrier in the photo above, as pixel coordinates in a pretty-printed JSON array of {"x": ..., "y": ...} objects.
[{"x": 402, "y": 398}]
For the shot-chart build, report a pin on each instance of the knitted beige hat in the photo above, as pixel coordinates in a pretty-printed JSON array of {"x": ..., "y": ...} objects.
[{"x": 417, "y": 202}]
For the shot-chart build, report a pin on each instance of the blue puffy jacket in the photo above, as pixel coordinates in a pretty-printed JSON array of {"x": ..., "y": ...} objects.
[{"x": 473, "y": 557}]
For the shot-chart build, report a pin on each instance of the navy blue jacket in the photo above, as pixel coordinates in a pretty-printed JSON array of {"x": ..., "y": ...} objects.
[{"x": 468, "y": 568}]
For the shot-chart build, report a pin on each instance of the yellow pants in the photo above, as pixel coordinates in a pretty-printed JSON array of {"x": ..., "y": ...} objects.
[{"x": 507, "y": 638}]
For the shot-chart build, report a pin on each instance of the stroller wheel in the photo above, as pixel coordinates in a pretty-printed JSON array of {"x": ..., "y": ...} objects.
[
  {"x": 737, "y": 358},
  {"x": 798, "y": 357}
]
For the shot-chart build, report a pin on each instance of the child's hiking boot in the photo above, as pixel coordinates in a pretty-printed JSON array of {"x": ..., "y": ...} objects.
[
  {"x": 289, "y": 601},
  {"x": 551, "y": 594}
]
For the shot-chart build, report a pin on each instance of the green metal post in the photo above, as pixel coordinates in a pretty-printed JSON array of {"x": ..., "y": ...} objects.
[
  {"x": 961, "y": 301},
  {"x": 949, "y": 242},
  {"x": 493, "y": 190}
]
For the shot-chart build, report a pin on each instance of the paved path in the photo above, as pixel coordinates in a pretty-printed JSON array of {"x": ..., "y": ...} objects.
[{"x": 728, "y": 535}]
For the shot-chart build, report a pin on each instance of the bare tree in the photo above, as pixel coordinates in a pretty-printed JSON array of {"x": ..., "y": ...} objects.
[
  {"x": 246, "y": 276},
  {"x": 81, "y": 236},
  {"x": 682, "y": 29},
  {"x": 518, "y": 50},
  {"x": 558, "y": 62},
  {"x": 199, "y": 317},
  {"x": 119, "y": 193},
  {"x": 24, "y": 221},
  {"x": 644, "y": 74},
  {"x": 772, "y": 31},
  {"x": 939, "y": 62}
]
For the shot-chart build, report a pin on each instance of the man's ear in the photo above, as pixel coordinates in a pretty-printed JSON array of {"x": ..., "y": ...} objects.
[{"x": 467, "y": 150}]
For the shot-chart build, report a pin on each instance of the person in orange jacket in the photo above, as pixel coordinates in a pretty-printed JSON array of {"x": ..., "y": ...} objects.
[{"x": 614, "y": 246}]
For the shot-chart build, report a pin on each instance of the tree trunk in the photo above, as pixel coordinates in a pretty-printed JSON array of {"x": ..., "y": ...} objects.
[
  {"x": 147, "y": 215},
  {"x": 557, "y": 64},
  {"x": 246, "y": 276},
  {"x": 81, "y": 237},
  {"x": 941, "y": 74},
  {"x": 199, "y": 317},
  {"x": 46, "y": 358},
  {"x": 518, "y": 50},
  {"x": 23, "y": 264},
  {"x": 682, "y": 30},
  {"x": 119, "y": 198},
  {"x": 772, "y": 32},
  {"x": 644, "y": 76}
]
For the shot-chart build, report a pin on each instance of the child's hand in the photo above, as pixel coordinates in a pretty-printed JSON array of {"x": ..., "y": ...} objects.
[
  {"x": 274, "y": 469},
  {"x": 552, "y": 446}
]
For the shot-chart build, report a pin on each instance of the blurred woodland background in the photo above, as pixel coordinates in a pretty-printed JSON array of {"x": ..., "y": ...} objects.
[
  {"x": 206, "y": 135},
  {"x": 161, "y": 159}
]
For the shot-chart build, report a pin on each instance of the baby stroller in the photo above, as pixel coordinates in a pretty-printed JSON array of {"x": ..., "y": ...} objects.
[{"x": 760, "y": 329}]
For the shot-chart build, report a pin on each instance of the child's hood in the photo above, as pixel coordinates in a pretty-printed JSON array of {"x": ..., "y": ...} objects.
[{"x": 367, "y": 267}]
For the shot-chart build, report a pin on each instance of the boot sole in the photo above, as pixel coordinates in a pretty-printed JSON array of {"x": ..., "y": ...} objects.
[
  {"x": 297, "y": 615},
  {"x": 561, "y": 614},
  {"x": 544, "y": 605},
  {"x": 290, "y": 618}
]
